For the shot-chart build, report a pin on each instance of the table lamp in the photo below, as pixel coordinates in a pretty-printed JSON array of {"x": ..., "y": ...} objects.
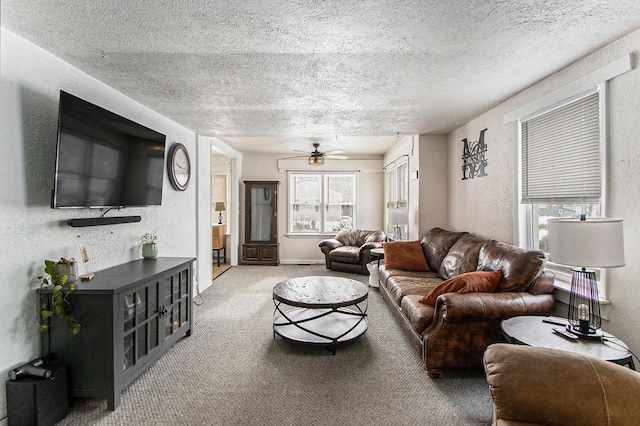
[
  {"x": 582, "y": 243},
  {"x": 397, "y": 217},
  {"x": 219, "y": 208}
]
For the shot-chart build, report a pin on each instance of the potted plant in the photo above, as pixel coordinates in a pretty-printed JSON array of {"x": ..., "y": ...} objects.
[
  {"x": 56, "y": 276},
  {"x": 149, "y": 243}
]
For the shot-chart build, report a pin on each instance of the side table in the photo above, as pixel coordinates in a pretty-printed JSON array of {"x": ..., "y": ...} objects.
[
  {"x": 377, "y": 254},
  {"x": 532, "y": 331}
]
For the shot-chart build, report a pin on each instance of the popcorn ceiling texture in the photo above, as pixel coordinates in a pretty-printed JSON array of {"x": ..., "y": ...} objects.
[{"x": 320, "y": 68}]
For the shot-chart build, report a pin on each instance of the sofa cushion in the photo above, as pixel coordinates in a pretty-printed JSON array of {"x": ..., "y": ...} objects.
[
  {"x": 405, "y": 255},
  {"x": 470, "y": 282},
  {"x": 462, "y": 257},
  {"x": 385, "y": 274},
  {"x": 419, "y": 315},
  {"x": 519, "y": 267},
  {"x": 345, "y": 254},
  {"x": 436, "y": 245},
  {"x": 402, "y": 285}
]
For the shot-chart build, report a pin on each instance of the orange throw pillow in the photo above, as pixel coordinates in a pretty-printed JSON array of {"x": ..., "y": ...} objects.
[
  {"x": 405, "y": 255},
  {"x": 470, "y": 282}
]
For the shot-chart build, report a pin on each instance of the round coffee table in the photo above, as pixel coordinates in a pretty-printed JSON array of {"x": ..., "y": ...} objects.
[
  {"x": 533, "y": 331},
  {"x": 320, "y": 310}
]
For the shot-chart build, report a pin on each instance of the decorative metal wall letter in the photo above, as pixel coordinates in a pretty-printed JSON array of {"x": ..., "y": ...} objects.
[{"x": 473, "y": 160}]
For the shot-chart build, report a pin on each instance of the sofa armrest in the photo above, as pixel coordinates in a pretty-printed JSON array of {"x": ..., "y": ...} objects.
[
  {"x": 370, "y": 245},
  {"x": 330, "y": 243},
  {"x": 553, "y": 387},
  {"x": 461, "y": 307}
]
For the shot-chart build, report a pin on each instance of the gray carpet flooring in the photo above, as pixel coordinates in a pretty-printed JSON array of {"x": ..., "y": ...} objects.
[{"x": 232, "y": 371}]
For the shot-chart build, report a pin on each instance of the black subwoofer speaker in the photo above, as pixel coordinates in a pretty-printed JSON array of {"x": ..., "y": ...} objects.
[{"x": 36, "y": 401}]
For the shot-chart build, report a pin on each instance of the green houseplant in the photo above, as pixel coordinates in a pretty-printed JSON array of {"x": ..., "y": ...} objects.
[
  {"x": 57, "y": 277},
  {"x": 149, "y": 244}
]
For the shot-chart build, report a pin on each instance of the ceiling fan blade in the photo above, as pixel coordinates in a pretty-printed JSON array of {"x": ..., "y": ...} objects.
[
  {"x": 334, "y": 151},
  {"x": 298, "y": 150},
  {"x": 295, "y": 156},
  {"x": 337, "y": 157}
]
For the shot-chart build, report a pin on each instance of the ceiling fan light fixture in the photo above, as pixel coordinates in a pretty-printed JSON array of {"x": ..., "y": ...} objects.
[{"x": 316, "y": 160}]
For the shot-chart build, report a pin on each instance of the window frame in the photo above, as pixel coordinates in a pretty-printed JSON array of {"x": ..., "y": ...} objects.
[
  {"x": 323, "y": 202},
  {"x": 527, "y": 214},
  {"x": 397, "y": 197}
]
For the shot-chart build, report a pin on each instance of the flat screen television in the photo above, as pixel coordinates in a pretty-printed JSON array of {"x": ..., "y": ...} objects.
[{"x": 104, "y": 160}]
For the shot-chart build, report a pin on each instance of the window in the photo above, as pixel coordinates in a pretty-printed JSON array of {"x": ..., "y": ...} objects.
[
  {"x": 562, "y": 173},
  {"x": 321, "y": 202},
  {"x": 397, "y": 183}
]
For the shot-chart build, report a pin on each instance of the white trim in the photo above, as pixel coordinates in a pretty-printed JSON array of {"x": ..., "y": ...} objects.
[{"x": 580, "y": 85}]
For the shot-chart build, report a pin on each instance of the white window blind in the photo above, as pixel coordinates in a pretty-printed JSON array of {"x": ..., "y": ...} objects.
[{"x": 561, "y": 154}]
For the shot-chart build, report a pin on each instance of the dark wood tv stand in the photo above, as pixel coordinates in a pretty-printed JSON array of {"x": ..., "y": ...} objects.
[{"x": 130, "y": 315}]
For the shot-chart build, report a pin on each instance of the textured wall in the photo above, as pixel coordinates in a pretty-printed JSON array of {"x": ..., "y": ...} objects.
[
  {"x": 30, "y": 231},
  {"x": 485, "y": 206}
]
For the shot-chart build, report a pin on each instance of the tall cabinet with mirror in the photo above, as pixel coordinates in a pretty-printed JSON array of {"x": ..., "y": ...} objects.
[{"x": 260, "y": 223}]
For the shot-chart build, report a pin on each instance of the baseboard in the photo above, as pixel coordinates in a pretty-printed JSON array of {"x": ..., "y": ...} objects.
[{"x": 301, "y": 262}]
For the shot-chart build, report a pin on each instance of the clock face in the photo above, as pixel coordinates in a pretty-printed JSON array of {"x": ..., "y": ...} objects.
[{"x": 179, "y": 167}]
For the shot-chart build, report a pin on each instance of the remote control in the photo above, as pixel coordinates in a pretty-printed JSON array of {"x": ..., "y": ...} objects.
[
  {"x": 564, "y": 333},
  {"x": 554, "y": 321}
]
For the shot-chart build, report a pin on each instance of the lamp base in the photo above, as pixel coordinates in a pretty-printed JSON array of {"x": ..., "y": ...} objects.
[{"x": 593, "y": 334}]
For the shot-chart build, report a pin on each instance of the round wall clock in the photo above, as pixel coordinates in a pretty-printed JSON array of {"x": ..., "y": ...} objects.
[{"x": 179, "y": 167}]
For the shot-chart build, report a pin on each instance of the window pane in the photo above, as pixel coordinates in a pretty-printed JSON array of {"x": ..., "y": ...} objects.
[
  {"x": 339, "y": 217},
  {"x": 340, "y": 189},
  {"x": 306, "y": 189},
  {"x": 306, "y": 218},
  {"x": 547, "y": 211}
]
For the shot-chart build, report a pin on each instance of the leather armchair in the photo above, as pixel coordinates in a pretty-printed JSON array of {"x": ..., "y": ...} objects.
[
  {"x": 350, "y": 250},
  {"x": 540, "y": 386}
]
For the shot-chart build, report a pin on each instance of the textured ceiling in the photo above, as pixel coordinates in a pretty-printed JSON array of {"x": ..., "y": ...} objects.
[{"x": 300, "y": 71}]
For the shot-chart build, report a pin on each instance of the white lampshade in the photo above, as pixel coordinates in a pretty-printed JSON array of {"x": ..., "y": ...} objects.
[
  {"x": 398, "y": 216},
  {"x": 594, "y": 242}
]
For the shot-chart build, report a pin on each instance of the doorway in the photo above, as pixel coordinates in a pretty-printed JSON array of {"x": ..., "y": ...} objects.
[{"x": 220, "y": 226}]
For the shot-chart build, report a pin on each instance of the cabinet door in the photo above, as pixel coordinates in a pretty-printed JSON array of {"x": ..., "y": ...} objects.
[
  {"x": 269, "y": 253},
  {"x": 140, "y": 323},
  {"x": 261, "y": 203},
  {"x": 176, "y": 306},
  {"x": 250, "y": 252}
]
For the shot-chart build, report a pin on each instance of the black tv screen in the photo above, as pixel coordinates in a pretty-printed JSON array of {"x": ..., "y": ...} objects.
[{"x": 104, "y": 160}]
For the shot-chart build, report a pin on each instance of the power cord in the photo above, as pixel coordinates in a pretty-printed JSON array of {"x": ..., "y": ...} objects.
[
  {"x": 606, "y": 339},
  {"x": 197, "y": 289}
]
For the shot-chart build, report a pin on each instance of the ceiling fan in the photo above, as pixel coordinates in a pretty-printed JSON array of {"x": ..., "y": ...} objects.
[{"x": 316, "y": 158}]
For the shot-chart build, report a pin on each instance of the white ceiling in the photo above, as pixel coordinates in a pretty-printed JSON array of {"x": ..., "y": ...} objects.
[{"x": 278, "y": 75}]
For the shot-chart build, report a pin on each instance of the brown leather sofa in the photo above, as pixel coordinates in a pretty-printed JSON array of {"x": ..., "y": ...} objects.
[
  {"x": 540, "y": 386},
  {"x": 457, "y": 330},
  {"x": 350, "y": 250}
]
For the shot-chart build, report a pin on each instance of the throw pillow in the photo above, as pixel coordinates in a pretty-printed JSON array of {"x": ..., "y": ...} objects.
[
  {"x": 405, "y": 255},
  {"x": 470, "y": 282}
]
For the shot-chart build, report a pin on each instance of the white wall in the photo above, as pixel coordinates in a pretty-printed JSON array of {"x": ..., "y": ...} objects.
[
  {"x": 429, "y": 193},
  {"x": 30, "y": 231},
  {"x": 433, "y": 182},
  {"x": 486, "y": 206},
  {"x": 483, "y": 205},
  {"x": 305, "y": 249}
]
